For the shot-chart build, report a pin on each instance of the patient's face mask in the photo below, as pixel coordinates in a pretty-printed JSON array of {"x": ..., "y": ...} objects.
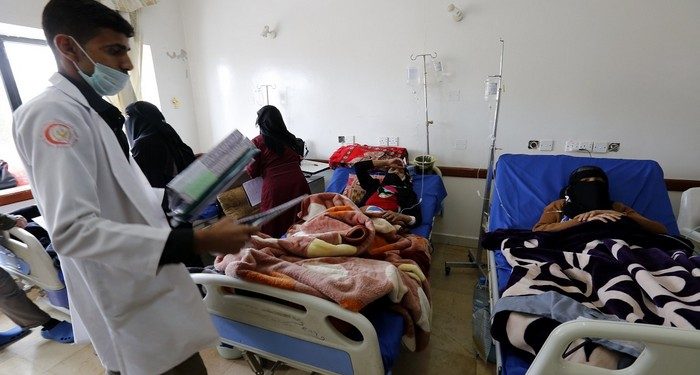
[
  {"x": 104, "y": 80},
  {"x": 585, "y": 196}
]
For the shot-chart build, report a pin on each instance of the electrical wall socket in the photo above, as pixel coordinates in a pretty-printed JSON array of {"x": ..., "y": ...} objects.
[
  {"x": 383, "y": 141},
  {"x": 587, "y": 146},
  {"x": 393, "y": 141},
  {"x": 573, "y": 146},
  {"x": 346, "y": 139},
  {"x": 533, "y": 144},
  {"x": 614, "y": 147},
  {"x": 600, "y": 147},
  {"x": 546, "y": 145}
]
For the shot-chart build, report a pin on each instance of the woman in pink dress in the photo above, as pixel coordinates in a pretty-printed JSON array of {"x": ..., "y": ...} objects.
[{"x": 278, "y": 164}]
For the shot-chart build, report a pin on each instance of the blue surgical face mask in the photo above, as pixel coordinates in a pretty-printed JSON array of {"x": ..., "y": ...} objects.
[{"x": 105, "y": 81}]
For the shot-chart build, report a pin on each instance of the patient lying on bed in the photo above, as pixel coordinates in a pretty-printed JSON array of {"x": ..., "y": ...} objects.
[
  {"x": 587, "y": 198},
  {"x": 393, "y": 197}
]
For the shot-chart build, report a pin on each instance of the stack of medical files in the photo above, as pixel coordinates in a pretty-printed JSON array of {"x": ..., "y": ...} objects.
[{"x": 191, "y": 191}]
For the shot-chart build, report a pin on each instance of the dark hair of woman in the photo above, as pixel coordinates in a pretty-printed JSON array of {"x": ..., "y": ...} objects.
[{"x": 274, "y": 131}]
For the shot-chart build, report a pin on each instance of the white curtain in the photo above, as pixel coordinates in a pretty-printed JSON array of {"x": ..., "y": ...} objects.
[
  {"x": 129, "y": 9},
  {"x": 128, "y": 6}
]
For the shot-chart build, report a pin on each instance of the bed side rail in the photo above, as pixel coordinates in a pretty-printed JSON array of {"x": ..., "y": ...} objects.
[
  {"x": 41, "y": 270},
  {"x": 667, "y": 350},
  {"x": 307, "y": 323}
]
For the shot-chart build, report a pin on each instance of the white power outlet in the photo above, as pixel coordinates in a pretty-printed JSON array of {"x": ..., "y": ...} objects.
[
  {"x": 546, "y": 145},
  {"x": 460, "y": 144},
  {"x": 383, "y": 141},
  {"x": 587, "y": 146},
  {"x": 600, "y": 147},
  {"x": 346, "y": 139},
  {"x": 393, "y": 141},
  {"x": 573, "y": 146}
]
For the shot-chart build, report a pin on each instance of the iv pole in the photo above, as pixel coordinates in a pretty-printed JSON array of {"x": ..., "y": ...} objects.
[
  {"x": 476, "y": 262},
  {"x": 267, "y": 92},
  {"x": 425, "y": 94}
]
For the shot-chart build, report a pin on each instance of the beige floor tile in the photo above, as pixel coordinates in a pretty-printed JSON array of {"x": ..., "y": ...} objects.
[
  {"x": 19, "y": 365},
  {"x": 451, "y": 328},
  {"x": 291, "y": 371},
  {"x": 51, "y": 353},
  {"x": 83, "y": 362},
  {"x": 434, "y": 361},
  {"x": 217, "y": 365},
  {"x": 485, "y": 368},
  {"x": 5, "y": 355}
]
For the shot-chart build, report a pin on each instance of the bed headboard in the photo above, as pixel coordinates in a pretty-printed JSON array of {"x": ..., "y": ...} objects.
[{"x": 525, "y": 184}]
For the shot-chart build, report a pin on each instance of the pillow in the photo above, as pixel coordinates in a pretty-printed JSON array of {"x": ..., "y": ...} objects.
[{"x": 349, "y": 154}]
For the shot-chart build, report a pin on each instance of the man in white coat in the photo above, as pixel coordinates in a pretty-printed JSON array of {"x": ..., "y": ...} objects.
[{"x": 129, "y": 293}]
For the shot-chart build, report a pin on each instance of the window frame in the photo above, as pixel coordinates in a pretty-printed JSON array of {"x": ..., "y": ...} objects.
[
  {"x": 19, "y": 193},
  {"x": 6, "y": 74}
]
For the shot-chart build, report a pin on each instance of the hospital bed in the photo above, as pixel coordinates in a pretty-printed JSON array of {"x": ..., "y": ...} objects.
[
  {"x": 23, "y": 257},
  {"x": 297, "y": 329},
  {"x": 523, "y": 186}
]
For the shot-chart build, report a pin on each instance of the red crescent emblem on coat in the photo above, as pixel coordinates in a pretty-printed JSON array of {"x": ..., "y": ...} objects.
[{"x": 60, "y": 135}]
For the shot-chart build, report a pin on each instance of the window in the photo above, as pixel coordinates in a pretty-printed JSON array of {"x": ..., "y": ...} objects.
[
  {"x": 7, "y": 145},
  {"x": 26, "y": 64},
  {"x": 149, "y": 87}
]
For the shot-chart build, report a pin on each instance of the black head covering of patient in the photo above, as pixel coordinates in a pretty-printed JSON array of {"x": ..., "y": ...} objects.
[
  {"x": 583, "y": 196},
  {"x": 154, "y": 139}
]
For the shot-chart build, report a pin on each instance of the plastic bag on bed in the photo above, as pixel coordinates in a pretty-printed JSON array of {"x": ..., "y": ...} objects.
[{"x": 481, "y": 322}]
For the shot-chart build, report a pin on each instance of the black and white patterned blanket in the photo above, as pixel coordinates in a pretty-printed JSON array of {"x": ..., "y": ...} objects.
[{"x": 593, "y": 271}]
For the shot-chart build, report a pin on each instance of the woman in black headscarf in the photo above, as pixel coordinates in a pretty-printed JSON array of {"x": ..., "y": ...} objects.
[
  {"x": 587, "y": 198},
  {"x": 278, "y": 164},
  {"x": 156, "y": 147},
  {"x": 159, "y": 151}
]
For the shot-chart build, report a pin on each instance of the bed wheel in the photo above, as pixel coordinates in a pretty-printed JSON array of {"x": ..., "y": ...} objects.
[
  {"x": 447, "y": 270},
  {"x": 227, "y": 351}
]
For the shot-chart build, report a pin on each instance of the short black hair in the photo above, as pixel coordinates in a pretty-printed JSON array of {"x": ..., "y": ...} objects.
[{"x": 81, "y": 19}]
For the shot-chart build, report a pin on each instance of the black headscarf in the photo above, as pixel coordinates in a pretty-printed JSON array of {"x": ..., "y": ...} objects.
[
  {"x": 583, "y": 196},
  {"x": 156, "y": 146},
  {"x": 274, "y": 131}
]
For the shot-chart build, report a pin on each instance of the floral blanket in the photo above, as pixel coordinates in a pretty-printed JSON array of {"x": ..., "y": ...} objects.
[{"x": 340, "y": 254}]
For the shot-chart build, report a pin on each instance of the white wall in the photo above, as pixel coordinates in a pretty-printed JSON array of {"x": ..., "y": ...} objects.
[
  {"x": 24, "y": 13},
  {"x": 595, "y": 70},
  {"x": 162, "y": 29},
  {"x": 589, "y": 70}
]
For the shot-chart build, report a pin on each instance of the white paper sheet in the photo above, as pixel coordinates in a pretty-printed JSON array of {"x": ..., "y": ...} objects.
[{"x": 253, "y": 189}]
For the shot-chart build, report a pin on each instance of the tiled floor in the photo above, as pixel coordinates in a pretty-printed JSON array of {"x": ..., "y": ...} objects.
[{"x": 450, "y": 350}]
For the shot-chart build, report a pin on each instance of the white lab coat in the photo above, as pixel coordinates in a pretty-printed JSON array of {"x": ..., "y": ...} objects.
[{"x": 109, "y": 230}]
